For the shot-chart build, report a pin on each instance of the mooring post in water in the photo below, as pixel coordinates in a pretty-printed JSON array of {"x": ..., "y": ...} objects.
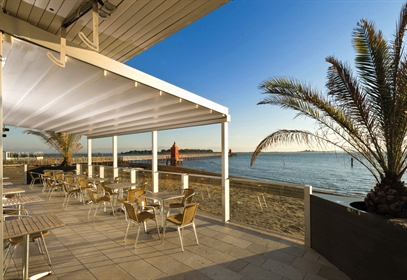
[{"x": 351, "y": 162}]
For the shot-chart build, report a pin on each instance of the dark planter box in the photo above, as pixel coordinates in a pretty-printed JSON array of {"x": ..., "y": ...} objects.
[{"x": 360, "y": 244}]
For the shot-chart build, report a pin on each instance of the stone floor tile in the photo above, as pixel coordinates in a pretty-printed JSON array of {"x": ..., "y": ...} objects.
[
  {"x": 218, "y": 272},
  {"x": 94, "y": 249}
]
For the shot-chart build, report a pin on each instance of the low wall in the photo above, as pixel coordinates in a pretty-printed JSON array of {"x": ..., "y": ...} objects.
[{"x": 362, "y": 245}]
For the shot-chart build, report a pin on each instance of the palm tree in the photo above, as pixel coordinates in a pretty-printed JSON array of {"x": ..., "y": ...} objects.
[
  {"x": 65, "y": 144},
  {"x": 364, "y": 115}
]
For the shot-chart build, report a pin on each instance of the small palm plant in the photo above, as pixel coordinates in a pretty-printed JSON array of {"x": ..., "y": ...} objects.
[
  {"x": 365, "y": 115},
  {"x": 65, "y": 144}
]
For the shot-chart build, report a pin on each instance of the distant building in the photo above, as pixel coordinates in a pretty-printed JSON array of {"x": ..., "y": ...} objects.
[{"x": 22, "y": 155}]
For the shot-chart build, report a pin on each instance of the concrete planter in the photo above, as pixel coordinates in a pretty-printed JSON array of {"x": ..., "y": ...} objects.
[{"x": 362, "y": 245}]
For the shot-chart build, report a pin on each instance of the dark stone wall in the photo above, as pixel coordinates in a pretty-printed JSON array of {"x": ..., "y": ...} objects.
[{"x": 360, "y": 244}]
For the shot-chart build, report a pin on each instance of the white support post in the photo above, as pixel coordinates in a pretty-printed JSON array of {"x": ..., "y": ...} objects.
[
  {"x": 78, "y": 169},
  {"x": 1, "y": 149},
  {"x": 154, "y": 160},
  {"x": 25, "y": 173},
  {"x": 90, "y": 158},
  {"x": 184, "y": 181},
  {"x": 307, "y": 215},
  {"x": 114, "y": 151},
  {"x": 225, "y": 174}
]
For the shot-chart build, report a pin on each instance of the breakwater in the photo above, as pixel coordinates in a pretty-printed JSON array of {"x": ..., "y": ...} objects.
[{"x": 96, "y": 159}]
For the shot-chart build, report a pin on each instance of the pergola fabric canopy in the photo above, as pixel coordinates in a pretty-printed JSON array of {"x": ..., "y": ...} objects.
[{"x": 97, "y": 102}]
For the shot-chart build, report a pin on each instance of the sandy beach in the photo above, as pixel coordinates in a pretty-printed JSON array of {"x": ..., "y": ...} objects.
[{"x": 267, "y": 208}]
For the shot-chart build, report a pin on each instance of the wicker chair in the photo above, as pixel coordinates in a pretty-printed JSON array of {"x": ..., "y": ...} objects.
[
  {"x": 139, "y": 217},
  {"x": 34, "y": 177},
  {"x": 53, "y": 185},
  {"x": 102, "y": 199},
  {"x": 187, "y": 199},
  {"x": 70, "y": 191},
  {"x": 184, "y": 219}
]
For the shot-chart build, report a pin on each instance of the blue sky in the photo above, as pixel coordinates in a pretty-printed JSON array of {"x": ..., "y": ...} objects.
[{"x": 225, "y": 56}]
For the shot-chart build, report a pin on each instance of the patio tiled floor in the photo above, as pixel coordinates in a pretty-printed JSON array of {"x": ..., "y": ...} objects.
[{"x": 86, "y": 249}]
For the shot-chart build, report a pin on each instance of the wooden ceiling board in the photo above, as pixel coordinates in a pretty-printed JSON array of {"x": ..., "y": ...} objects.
[
  {"x": 129, "y": 28},
  {"x": 50, "y": 14},
  {"x": 171, "y": 25},
  {"x": 24, "y": 11},
  {"x": 146, "y": 24},
  {"x": 38, "y": 10}
]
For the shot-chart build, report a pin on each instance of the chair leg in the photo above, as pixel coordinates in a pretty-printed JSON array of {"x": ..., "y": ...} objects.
[
  {"x": 180, "y": 239},
  {"x": 96, "y": 211},
  {"x": 114, "y": 213},
  {"x": 44, "y": 186},
  {"x": 158, "y": 229},
  {"x": 67, "y": 201},
  {"x": 138, "y": 233},
  {"x": 164, "y": 228},
  {"x": 196, "y": 236},
  {"x": 90, "y": 208},
  {"x": 11, "y": 252},
  {"x": 44, "y": 245},
  {"x": 128, "y": 226}
]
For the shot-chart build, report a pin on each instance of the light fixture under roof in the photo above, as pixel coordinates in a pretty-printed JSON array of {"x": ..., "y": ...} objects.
[
  {"x": 106, "y": 9},
  {"x": 109, "y": 6},
  {"x": 102, "y": 14}
]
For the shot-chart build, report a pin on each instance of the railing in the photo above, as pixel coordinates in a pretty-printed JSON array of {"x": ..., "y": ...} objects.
[
  {"x": 269, "y": 205},
  {"x": 100, "y": 159}
]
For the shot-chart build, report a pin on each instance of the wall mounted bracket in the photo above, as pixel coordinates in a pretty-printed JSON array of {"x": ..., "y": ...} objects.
[
  {"x": 95, "y": 22},
  {"x": 62, "y": 54}
]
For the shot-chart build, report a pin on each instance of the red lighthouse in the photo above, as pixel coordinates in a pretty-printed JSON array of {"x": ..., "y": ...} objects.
[{"x": 174, "y": 154}]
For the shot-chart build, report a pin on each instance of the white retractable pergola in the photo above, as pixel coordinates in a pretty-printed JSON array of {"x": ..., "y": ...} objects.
[{"x": 49, "y": 81}]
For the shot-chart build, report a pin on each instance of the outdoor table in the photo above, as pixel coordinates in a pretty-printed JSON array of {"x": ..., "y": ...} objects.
[
  {"x": 19, "y": 201},
  {"x": 26, "y": 226},
  {"x": 94, "y": 180},
  {"x": 17, "y": 191},
  {"x": 120, "y": 187},
  {"x": 162, "y": 197}
]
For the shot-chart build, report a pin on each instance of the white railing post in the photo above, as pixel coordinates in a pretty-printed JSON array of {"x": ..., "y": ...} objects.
[
  {"x": 184, "y": 181},
  {"x": 101, "y": 171},
  {"x": 133, "y": 178},
  {"x": 307, "y": 215},
  {"x": 78, "y": 169},
  {"x": 25, "y": 174}
]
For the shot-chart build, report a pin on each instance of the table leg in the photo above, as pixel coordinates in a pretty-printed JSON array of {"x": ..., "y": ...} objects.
[
  {"x": 162, "y": 215},
  {"x": 26, "y": 253},
  {"x": 120, "y": 195}
]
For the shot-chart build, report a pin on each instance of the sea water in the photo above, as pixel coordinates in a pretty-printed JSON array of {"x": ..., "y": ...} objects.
[{"x": 325, "y": 171}]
